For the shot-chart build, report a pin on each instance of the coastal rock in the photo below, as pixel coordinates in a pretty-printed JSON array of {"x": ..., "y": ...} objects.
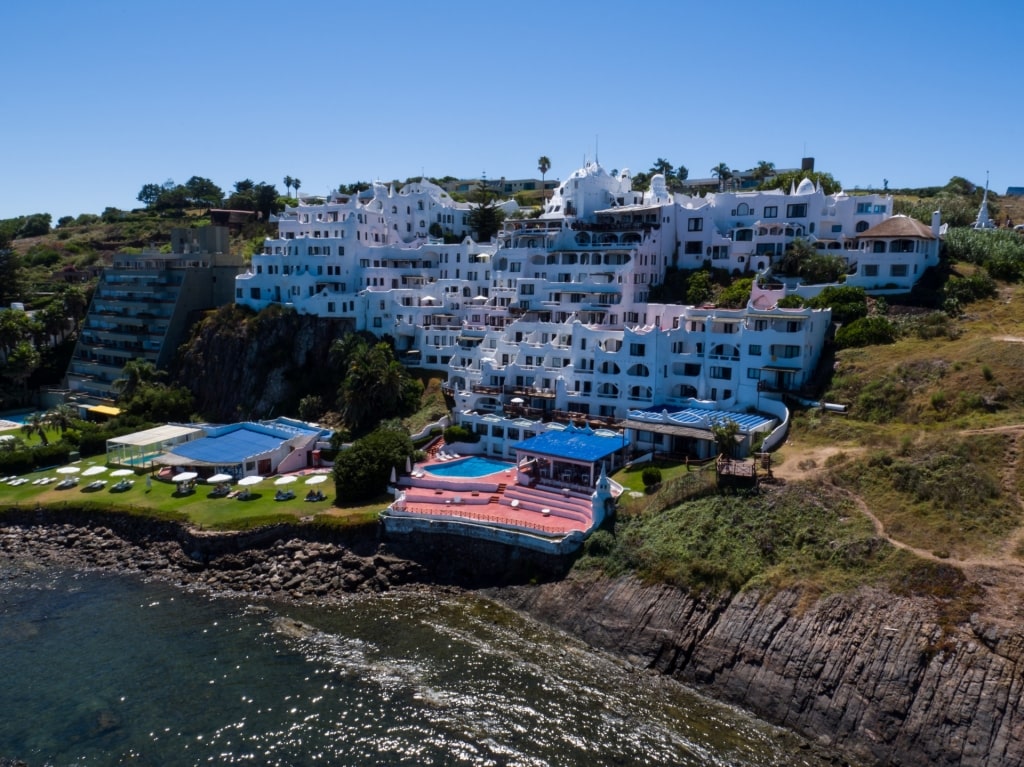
[{"x": 870, "y": 674}]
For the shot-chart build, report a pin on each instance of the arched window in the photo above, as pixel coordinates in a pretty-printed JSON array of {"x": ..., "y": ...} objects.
[
  {"x": 639, "y": 370},
  {"x": 862, "y": 226},
  {"x": 609, "y": 368}
]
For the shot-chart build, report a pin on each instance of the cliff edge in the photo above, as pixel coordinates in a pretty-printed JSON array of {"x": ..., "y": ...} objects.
[{"x": 879, "y": 678}]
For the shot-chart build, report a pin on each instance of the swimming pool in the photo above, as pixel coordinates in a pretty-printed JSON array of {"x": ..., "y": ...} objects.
[{"x": 474, "y": 466}]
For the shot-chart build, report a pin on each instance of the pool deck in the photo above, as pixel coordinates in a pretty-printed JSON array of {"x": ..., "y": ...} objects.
[{"x": 494, "y": 499}]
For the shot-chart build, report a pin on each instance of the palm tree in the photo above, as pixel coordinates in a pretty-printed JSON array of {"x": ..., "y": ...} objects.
[
  {"x": 288, "y": 181},
  {"x": 61, "y": 417},
  {"x": 35, "y": 424},
  {"x": 296, "y": 183},
  {"x": 763, "y": 170},
  {"x": 722, "y": 173},
  {"x": 134, "y": 375},
  {"x": 543, "y": 165},
  {"x": 662, "y": 166}
]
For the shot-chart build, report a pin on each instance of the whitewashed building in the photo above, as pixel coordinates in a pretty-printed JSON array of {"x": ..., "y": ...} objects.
[{"x": 551, "y": 322}]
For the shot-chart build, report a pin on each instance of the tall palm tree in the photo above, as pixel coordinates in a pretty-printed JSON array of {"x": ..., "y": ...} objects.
[
  {"x": 296, "y": 183},
  {"x": 722, "y": 173},
  {"x": 288, "y": 181},
  {"x": 35, "y": 424},
  {"x": 543, "y": 165}
]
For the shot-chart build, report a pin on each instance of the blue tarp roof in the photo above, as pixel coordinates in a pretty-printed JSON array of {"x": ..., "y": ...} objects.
[
  {"x": 234, "y": 444},
  {"x": 573, "y": 444}
]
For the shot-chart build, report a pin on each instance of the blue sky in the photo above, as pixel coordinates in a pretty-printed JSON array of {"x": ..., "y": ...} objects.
[{"x": 102, "y": 97}]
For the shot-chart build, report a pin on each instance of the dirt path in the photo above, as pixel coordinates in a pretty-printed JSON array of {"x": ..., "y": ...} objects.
[{"x": 1000, "y": 574}]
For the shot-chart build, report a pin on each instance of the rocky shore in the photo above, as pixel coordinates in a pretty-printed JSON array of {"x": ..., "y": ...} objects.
[
  {"x": 269, "y": 565},
  {"x": 879, "y": 678}
]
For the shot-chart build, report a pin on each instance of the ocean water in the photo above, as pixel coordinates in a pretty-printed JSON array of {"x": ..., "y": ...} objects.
[{"x": 111, "y": 670}]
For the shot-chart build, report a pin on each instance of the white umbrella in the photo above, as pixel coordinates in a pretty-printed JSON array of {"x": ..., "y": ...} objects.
[
  {"x": 68, "y": 470},
  {"x": 316, "y": 479},
  {"x": 287, "y": 479},
  {"x": 408, "y": 465},
  {"x": 255, "y": 479},
  {"x": 218, "y": 478},
  {"x": 92, "y": 471},
  {"x": 121, "y": 473},
  {"x": 185, "y": 476},
  {"x": 517, "y": 400},
  {"x": 394, "y": 475}
]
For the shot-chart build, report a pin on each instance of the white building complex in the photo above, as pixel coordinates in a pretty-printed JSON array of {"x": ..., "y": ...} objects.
[{"x": 550, "y": 322}]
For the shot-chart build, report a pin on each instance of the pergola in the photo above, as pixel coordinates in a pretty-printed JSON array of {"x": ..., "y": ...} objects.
[{"x": 142, "y": 448}]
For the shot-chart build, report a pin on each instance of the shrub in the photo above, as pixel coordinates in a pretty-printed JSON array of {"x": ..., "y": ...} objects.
[
  {"x": 867, "y": 331},
  {"x": 651, "y": 476},
  {"x": 457, "y": 433}
]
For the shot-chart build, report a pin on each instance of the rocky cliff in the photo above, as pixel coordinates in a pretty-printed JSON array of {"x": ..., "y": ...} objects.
[
  {"x": 240, "y": 365},
  {"x": 883, "y": 679}
]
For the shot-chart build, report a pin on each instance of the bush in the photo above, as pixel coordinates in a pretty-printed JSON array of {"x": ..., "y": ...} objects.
[
  {"x": 867, "y": 331},
  {"x": 457, "y": 433},
  {"x": 651, "y": 476}
]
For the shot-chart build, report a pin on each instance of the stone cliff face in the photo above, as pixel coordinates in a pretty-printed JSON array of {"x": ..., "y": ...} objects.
[
  {"x": 239, "y": 365},
  {"x": 871, "y": 674}
]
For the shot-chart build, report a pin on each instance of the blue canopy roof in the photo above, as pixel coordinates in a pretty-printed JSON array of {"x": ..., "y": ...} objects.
[
  {"x": 572, "y": 444},
  {"x": 233, "y": 444},
  {"x": 700, "y": 419}
]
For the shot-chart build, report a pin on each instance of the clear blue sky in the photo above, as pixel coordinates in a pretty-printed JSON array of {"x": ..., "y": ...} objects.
[{"x": 102, "y": 97}]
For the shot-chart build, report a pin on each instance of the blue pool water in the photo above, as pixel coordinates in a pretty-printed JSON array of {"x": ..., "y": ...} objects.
[
  {"x": 474, "y": 466},
  {"x": 18, "y": 418}
]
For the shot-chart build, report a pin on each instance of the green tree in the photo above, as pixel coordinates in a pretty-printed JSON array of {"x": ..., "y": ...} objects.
[
  {"x": 700, "y": 288},
  {"x": 288, "y": 181},
  {"x": 543, "y": 165},
  {"x": 376, "y": 386},
  {"x": 722, "y": 173},
  {"x": 15, "y": 327},
  {"x": 11, "y": 277},
  {"x": 847, "y": 303},
  {"x": 149, "y": 194},
  {"x": 75, "y": 302},
  {"x": 296, "y": 183},
  {"x": 362, "y": 472},
  {"x": 794, "y": 257},
  {"x": 736, "y": 295},
  {"x": 61, "y": 417},
  {"x": 866, "y": 331},
  {"x": 203, "y": 192},
  {"x": 486, "y": 218},
  {"x": 155, "y": 402},
  {"x": 135, "y": 374},
  {"x": 763, "y": 170},
  {"x": 662, "y": 166},
  {"x": 724, "y": 433},
  {"x": 36, "y": 225},
  {"x": 35, "y": 424}
]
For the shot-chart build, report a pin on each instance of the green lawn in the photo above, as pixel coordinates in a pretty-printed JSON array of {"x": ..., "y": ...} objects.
[{"x": 161, "y": 500}]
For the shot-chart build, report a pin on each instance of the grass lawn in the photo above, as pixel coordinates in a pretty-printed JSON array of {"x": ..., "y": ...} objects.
[{"x": 162, "y": 501}]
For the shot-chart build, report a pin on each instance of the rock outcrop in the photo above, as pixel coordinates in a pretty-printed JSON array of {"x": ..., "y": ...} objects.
[
  {"x": 241, "y": 365},
  {"x": 874, "y": 676}
]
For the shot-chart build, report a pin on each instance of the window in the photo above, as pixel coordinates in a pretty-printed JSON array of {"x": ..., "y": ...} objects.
[
  {"x": 695, "y": 225},
  {"x": 898, "y": 270},
  {"x": 863, "y": 207},
  {"x": 721, "y": 372},
  {"x": 837, "y": 228},
  {"x": 878, "y": 247},
  {"x": 691, "y": 369},
  {"x": 754, "y": 350},
  {"x": 376, "y": 322},
  {"x": 796, "y": 210},
  {"x": 694, "y": 248},
  {"x": 862, "y": 226},
  {"x": 254, "y": 293},
  {"x": 870, "y": 270},
  {"x": 771, "y": 211},
  {"x": 754, "y": 373},
  {"x": 637, "y": 350}
]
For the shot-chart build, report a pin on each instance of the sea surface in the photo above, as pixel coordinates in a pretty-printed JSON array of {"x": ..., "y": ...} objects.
[{"x": 105, "y": 669}]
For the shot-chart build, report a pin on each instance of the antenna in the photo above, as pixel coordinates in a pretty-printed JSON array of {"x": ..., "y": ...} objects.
[{"x": 596, "y": 147}]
